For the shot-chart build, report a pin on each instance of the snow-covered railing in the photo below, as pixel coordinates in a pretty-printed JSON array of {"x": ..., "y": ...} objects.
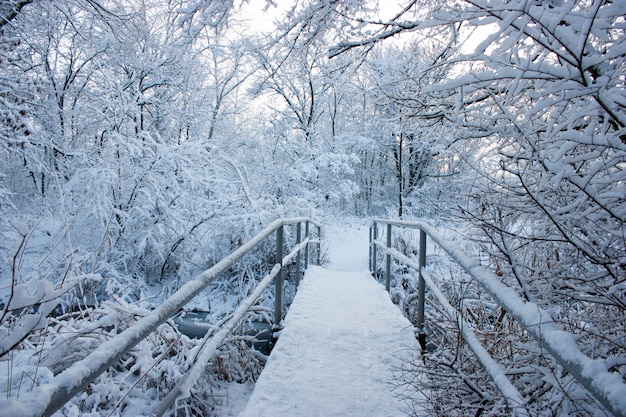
[
  {"x": 593, "y": 374},
  {"x": 48, "y": 398}
]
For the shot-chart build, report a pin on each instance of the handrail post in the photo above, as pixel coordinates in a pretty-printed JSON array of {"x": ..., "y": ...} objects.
[
  {"x": 388, "y": 260},
  {"x": 421, "y": 293},
  {"x": 278, "y": 296},
  {"x": 370, "y": 251},
  {"x": 298, "y": 240},
  {"x": 319, "y": 245},
  {"x": 374, "y": 249},
  {"x": 306, "y": 250}
]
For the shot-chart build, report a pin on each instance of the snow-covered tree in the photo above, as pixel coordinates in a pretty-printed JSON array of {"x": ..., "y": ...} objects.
[
  {"x": 140, "y": 141},
  {"x": 109, "y": 187},
  {"x": 541, "y": 100}
]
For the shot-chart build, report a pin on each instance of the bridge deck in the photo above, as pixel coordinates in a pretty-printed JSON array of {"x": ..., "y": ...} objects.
[{"x": 342, "y": 346}]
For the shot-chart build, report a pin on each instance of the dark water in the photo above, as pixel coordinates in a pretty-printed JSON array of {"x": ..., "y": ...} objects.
[{"x": 195, "y": 324}]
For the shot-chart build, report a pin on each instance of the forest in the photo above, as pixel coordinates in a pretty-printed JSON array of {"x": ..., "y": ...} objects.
[{"x": 141, "y": 141}]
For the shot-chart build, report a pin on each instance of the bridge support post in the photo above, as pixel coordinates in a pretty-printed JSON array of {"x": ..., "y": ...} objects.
[
  {"x": 278, "y": 296},
  {"x": 370, "y": 251},
  {"x": 421, "y": 336},
  {"x": 319, "y": 245},
  {"x": 388, "y": 260},
  {"x": 298, "y": 240},
  {"x": 306, "y": 250},
  {"x": 375, "y": 237}
]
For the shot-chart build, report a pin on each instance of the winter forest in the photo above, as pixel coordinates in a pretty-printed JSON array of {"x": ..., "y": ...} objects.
[{"x": 141, "y": 141}]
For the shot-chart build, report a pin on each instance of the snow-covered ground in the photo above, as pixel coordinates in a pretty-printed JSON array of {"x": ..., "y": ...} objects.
[
  {"x": 348, "y": 245},
  {"x": 342, "y": 341}
]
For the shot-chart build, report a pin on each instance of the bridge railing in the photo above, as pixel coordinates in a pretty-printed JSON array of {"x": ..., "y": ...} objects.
[
  {"x": 608, "y": 388},
  {"x": 46, "y": 399}
]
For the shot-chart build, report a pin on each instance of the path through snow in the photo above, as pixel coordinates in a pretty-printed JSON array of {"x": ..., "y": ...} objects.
[{"x": 342, "y": 343}]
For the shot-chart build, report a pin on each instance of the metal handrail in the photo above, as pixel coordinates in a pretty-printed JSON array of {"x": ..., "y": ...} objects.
[
  {"x": 210, "y": 348},
  {"x": 47, "y": 398},
  {"x": 606, "y": 387}
]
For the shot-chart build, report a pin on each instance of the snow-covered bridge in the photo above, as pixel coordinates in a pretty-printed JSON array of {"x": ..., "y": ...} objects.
[
  {"x": 343, "y": 343},
  {"x": 341, "y": 347}
]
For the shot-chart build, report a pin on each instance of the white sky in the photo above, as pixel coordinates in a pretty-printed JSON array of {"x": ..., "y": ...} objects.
[{"x": 261, "y": 15}]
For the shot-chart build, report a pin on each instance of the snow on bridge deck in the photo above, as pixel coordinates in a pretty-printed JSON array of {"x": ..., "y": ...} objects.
[{"x": 341, "y": 348}]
